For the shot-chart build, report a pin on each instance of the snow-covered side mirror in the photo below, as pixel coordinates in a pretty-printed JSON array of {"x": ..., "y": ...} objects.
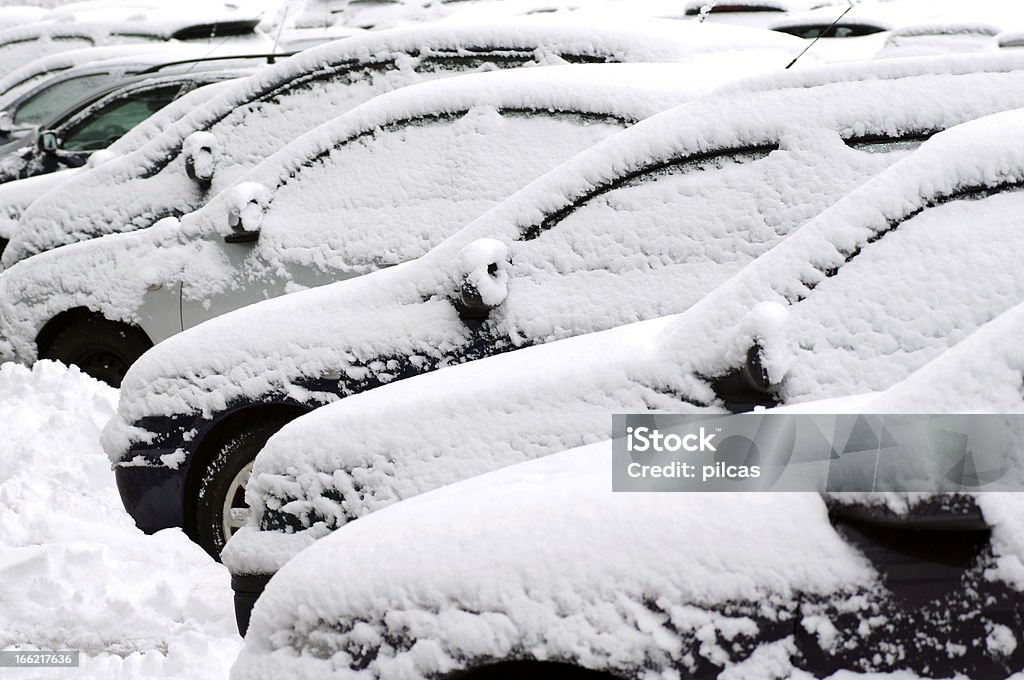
[
  {"x": 484, "y": 268},
  {"x": 100, "y": 157},
  {"x": 764, "y": 332},
  {"x": 6, "y": 123},
  {"x": 200, "y": 149},
  {"x": 247, "y": 204},
  {"x": 761, "y": 342}
]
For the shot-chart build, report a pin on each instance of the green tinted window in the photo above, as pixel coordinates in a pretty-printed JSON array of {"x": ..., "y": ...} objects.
[{"x": 110, "y": 122}]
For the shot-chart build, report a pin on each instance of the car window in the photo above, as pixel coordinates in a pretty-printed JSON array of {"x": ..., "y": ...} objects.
[
  {"x": 391, "y": 195},
  {"x": 811, "y": 31},
  {"x": 656, "y": 243},
  {"x": 904, "y": 298},
  {"x": 107, "y": 124},
  {"x": 40, "y": 107}
]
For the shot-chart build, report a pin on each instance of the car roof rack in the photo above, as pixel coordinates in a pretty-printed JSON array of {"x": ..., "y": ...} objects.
[{"x": 270, "y": 57}]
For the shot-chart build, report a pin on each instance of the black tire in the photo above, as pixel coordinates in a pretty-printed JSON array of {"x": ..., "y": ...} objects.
[
  {"x": 219, "y": 477},
  {"x": 101, "y": 348}
]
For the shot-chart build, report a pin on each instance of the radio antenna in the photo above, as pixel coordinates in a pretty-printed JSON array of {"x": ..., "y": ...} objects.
[{"x": 821, "y": 34}]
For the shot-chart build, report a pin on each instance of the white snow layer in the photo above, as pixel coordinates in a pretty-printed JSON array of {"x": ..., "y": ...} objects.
[
  {"x": 279, "y": 103},
  {"x": 450, "y": 148},
  {"x": 541, "y": 560},
  {"x": 901, "y": 302},
  {"x": 608, "y": 263},
  {"x": 76, "y": 573}
]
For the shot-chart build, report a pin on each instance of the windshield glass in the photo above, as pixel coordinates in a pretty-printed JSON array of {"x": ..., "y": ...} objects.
[{"x": 46, "y": 103}]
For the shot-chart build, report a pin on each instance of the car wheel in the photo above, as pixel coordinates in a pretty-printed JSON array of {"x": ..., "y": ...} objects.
[
  {"x": 220, "y": 507},
  {"x": 102, "y": 348}
]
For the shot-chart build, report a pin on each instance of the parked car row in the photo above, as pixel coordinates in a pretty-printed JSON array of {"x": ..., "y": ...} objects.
[{"x": 372, "y": 305}]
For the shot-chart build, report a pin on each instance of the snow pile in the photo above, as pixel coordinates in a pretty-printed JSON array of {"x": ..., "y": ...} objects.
[
  {"x": 542, "y": 561},
  {"x": 76, "y": 573}
]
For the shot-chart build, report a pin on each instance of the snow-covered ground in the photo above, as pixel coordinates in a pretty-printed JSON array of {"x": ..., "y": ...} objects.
[{"x": 76, "y": 573}]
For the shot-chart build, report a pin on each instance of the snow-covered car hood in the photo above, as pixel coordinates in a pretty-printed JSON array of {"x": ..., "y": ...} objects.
[
  {"x": 828, "y": 320},
  {"x": 280, "y": 102},
  {"x": 544, "y": 559},
  {"x": 383, "y": 317},
  {"x": 16, "y": 196}
]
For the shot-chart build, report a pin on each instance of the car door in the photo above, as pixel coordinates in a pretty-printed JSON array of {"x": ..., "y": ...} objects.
[
  {"x": 382, "y": 197},
  {"x": 919, "y": 287},
  {"x": 657, "y": 240}
]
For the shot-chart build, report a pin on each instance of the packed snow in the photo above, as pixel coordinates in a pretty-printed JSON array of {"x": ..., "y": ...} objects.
[
  {"x": 77, "y": 574},
  {"x": 595, "y": 273}
]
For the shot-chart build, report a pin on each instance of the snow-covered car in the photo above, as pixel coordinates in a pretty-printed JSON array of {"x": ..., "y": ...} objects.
[
  {"x": 16, "y": 196},
  {"x": 642, "y": 225},
  {"x": 97, "y": 120},
  {"x": 240, "y": 128},
  {"x": 370, "y": 189},
  {"x": 13, "y": 15},
  {"x": 21, "y": 44},
  {"x": 540, "y": 570},
  {"x": 886, "y": 279},
  {"x": 40, "y": 90},
  {"x": 760, "y": 13}
]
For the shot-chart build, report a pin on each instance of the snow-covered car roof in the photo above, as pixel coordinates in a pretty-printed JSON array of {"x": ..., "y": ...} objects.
[
  {"x": 873, "y": 288},
  {"x": 14, "y": 15},
  {"x": 22, "y": 44},
  {"x": 396, "y": 322},
  {"x": 48, "y": 93},
  {"x": 29, "y": 75},
  {"x": 541, "y": 561},
  {"x": 279, "y": 103}
]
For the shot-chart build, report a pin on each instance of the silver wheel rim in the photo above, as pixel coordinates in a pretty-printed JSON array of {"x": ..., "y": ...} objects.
[{"x": 235, "y": 512}]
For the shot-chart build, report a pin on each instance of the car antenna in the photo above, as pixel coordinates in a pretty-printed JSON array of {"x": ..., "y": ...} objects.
[
  {"x": 821, "y": 34},
  {"x": 277, "y": 38}
]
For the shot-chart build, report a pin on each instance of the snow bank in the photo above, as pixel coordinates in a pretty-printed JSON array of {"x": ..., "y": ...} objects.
[
  {"x": 541, "y": 561},
  {"x": 76, "y": 572}
]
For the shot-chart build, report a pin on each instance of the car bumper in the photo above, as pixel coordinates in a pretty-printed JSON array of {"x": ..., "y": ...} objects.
[
  {"x": 152, "y": 477},
  {"x": 248, "y": 588}
]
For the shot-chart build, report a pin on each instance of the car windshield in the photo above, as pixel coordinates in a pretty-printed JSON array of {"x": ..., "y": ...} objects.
[{"x": 46, "y": 103}]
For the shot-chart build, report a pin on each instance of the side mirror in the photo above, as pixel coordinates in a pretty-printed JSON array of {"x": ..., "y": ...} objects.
[
  {"x": 484, "y": 273},
  {"x": 200, "y": 151},
  {"x": 48, "y": 141},
  {"x": 247, "y": 204},
  {"x": 6, "y": 123},
  {"x": 757, "y": 381}
]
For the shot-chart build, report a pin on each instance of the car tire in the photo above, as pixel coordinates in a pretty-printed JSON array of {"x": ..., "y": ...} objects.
[
  {"x": 221, "y": 486},
  {"x": 101, "y": 348}
]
